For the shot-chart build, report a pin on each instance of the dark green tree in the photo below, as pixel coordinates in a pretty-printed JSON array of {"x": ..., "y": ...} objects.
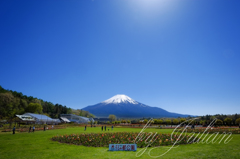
[{"x": 34, "y": 108}]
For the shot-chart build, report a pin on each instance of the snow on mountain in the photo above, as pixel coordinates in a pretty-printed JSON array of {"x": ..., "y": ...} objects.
[
  {"x": 120, "y": 98},
  {"x": 124, "y": 107}
]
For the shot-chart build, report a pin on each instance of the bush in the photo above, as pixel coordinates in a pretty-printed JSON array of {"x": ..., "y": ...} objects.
[{"x": 104, "y": 139}]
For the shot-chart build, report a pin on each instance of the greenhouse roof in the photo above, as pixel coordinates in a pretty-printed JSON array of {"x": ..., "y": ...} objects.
[
  {"x": 25, "y": 117},
  {"x": 38, "y": 116},
  {"x": 64, "y": 119}
]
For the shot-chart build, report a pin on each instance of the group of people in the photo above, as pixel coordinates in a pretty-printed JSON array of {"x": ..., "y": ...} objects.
[
  {"x": 30, "y": 128},
  {"x": 33, "y": 129},
  {"x": 102, "y": 128}
]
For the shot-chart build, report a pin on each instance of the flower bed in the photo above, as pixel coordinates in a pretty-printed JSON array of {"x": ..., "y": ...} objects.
[{"x": 104, "y": 139}]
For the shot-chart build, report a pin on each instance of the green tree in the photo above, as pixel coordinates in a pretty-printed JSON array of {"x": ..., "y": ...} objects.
[
  {"x": 228, "y": 121},
  {"x": 160, "y": 121},
  {"x": 237, "y": 121},
  {"x": 123, "y": 121},
  {"x": 182, "y": 120},
  {"x": 23, "y": 103},
  {"x": 80, "y": 114},
  {"x": 7, "y": 109},
  {"x": 9, "y": 106},
  {"x": 155, "y": 121},
  {"x": 145, "y": 121},
  {"x": 175, "y": 121},
  {"x": 219, "y": 122},
  {"x": 112, "y": 117},
  {"x": 202, "y": 122},
  {"x": 168, "y": 122},
  {"x": 34, "y": 108},
  {"x": 35, "y": 100}
]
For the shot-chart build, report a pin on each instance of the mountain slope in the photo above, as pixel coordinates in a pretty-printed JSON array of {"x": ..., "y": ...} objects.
[{"x": 124, "y": 106}]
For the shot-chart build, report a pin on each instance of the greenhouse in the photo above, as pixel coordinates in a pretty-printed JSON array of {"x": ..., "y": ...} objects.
[
  {"x": 25, "y": 118},
  {"x": 64, "y": 120},
  {"x": 38, "y": 118},
  {"x": 77, "y": 119}
]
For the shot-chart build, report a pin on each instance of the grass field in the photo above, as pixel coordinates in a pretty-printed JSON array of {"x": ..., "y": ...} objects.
[{"x": 39, "y": 145}]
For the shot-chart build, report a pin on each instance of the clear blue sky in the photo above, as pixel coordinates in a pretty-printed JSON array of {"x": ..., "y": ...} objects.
[{"x": 182, "y": 56}]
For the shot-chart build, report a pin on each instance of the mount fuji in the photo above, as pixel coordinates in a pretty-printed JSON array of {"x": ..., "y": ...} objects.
[{"x": 124, "y": 106}]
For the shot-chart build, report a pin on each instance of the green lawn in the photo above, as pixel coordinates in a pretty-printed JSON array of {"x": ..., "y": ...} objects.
[{"x": 39, "y": 145}]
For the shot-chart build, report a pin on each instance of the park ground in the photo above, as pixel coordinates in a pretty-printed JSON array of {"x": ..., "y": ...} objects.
[{"x": 39, "y": 145}]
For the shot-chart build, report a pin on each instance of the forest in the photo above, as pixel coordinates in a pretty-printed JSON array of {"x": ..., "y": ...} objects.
[{"x": 13, "y": 103}]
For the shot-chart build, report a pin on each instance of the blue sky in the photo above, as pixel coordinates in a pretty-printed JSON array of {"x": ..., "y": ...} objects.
[{"x": 182, "y": 56}]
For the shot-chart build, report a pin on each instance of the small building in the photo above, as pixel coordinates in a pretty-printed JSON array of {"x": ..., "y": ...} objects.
[{"x": 77, "y": 119}]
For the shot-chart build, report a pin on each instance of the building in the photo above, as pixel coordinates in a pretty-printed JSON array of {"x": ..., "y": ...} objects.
[
  {"x": 26, "y": 119},
  {"x": 77, "y": 119},
  {"x": 55, "y": 121},
  {"x": 37, "y": 119}
]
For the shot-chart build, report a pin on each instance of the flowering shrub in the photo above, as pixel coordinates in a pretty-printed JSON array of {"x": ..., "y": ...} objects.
[{"x": 104, "y": 139}]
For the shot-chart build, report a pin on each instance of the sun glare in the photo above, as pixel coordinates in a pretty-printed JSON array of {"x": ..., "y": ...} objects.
[
  {"x": 151, "y": 4},
  {"x": 152, "y": 7}
]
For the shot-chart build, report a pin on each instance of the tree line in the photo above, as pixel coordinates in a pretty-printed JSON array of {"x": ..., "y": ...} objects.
[
  {"x": 229, "y": 120},
  {"x": 221, "y": 120},
  {"x": 13, "y": 103}
]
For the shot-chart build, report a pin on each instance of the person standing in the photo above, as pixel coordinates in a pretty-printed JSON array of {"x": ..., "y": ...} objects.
[
  {"x": 102, "y": 128},
  {"x": 105, "y": 127},
  {"x": 13, "y": 130},
  {"x": 85, "y": 128},
  {"x": 112, "y": 127},
  {"x": 30, "y": 129},
  {"x": 33, "y": 128},
  {"x": 44, "y": 128}
]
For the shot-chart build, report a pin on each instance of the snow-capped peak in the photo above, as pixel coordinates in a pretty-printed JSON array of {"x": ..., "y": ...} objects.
[{"x": 120, "y": 98}]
